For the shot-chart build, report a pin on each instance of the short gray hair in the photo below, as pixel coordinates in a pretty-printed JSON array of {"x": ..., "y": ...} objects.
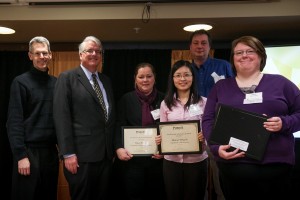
[
  {"x": 87, "y": 39},
  {"x": 39, "y": 39}
]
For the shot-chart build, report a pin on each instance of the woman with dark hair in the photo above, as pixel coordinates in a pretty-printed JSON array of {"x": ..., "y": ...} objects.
[
  {"x": 140, "y": 176},
  {"x": 269, "y": 94},
  {"x": 185, "y": 175}
]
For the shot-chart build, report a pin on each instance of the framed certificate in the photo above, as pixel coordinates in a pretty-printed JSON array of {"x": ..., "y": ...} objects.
[
  {"x": 180, "y": 137},
  {"x": 140, "y": 140}
]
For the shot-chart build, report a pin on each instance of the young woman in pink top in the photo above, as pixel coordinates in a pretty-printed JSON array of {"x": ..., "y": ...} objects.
[{"x": 185, "y": 175}]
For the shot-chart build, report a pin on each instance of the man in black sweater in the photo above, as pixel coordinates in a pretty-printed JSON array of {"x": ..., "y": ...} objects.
[{"x": 30, "y": 128}]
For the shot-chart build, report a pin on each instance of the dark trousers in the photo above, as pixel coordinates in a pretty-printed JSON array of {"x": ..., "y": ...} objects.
[
  {"x": 251, "y": 181},
  {"x": 42, "y": 181},
  {"x": 185, "y": 180},
  {"x": 91, "y": 181},
  {"x": 140, "y": 178}
]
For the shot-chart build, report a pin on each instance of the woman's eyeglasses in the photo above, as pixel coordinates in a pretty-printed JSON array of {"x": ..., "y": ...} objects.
[
  {"x": 180, "y": 76},
  {"x": 242, "y": 52}
]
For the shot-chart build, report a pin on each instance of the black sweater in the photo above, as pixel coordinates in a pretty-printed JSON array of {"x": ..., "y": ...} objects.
[{"x": 30, "y": 112}]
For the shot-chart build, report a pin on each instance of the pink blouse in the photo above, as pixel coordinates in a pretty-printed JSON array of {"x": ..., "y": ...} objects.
[{"x": 179, "y": 114}]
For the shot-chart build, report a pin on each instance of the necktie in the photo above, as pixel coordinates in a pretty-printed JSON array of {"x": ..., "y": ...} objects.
[{"x": 99, "y": 95}]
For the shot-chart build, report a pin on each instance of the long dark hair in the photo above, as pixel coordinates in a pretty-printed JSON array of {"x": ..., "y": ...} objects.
[{"x": 194, "y": 96}]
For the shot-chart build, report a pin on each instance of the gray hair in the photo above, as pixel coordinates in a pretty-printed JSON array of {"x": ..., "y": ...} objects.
[
  {"x": 87, "y": 39},
  {"x": 39, "y": 39}
]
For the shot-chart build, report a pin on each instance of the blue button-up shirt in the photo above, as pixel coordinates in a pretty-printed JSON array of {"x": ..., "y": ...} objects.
[{"x": 212, "y": 70}]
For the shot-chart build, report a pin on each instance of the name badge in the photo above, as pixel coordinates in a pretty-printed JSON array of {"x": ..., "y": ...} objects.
[
  {"x": 216, "y": 77},
  {"x": 195, "y": 110},
  {"x": 155, "y": 114},
  {"x": 253, "y": 98}
]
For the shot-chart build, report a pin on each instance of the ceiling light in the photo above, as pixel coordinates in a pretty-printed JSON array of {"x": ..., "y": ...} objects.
[
  {"x": 5, "y": 30},
  {"x": 194, "y": 27}
]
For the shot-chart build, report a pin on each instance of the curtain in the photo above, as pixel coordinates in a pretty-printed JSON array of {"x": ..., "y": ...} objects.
[
  {"x": 119, "y": 65},
  {"x": 185, "y": 55},
  {"x": 11, "y": 65},
  {"x": 222, "y": 54},
  {"x": 181, "y": 55}
]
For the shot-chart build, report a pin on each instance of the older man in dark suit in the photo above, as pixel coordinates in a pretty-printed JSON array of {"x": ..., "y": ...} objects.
[{"x": 84, "y": 119}]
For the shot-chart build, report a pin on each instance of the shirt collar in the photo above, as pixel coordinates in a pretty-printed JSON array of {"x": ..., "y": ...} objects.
[
  {"x": 88, "y": 73},
  {"x": 206, "y": 63}
]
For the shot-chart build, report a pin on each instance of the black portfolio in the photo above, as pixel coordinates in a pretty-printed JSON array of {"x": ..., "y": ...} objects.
[{"x": 241, "y": 129}]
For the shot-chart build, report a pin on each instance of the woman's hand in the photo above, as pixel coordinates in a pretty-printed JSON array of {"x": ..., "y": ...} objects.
[
  {"x": 158, "y": 139},
  {"x": 157, "y": 156},
  {"x": 123, "y": 154},
  {"x": 273, "y": 124},
  {"x": 200, "y": 137},
  {"x": 227, "y": 155}
]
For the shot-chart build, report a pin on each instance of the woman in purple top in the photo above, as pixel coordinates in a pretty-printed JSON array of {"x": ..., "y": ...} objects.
[
  {"x": 185, "y": 175},
  {"x": 268, "y": 94}
]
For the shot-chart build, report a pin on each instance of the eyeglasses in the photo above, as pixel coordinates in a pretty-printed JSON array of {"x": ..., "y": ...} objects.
[
  {"x": 180, "y": 76},
  {"x": 38, "y": 54},
  {"x": 91, "y": 51},
  {"x": 248, "y": 52}
]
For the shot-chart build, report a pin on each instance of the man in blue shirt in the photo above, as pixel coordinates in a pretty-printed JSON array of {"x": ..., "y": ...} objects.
[{"x": 208, "y": 71}]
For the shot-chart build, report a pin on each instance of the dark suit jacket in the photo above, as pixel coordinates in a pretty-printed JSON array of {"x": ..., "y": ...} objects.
[{"x": 79, "y": 120}]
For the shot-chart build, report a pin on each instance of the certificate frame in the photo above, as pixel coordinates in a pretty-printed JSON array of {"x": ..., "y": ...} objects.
[
  {"x": 140, "y": 140},
  {"x": 179, "y": 137}
]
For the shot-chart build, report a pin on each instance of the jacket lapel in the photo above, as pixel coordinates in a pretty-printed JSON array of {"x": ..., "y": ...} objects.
[{"x": 86, "y": 84}]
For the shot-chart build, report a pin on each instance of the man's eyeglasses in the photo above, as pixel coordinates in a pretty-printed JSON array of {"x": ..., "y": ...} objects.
[
  {"x": 38, "y": 54},
  {"x": 91, "y": 51},
  {"x": 248, "y": 52},
  {"x": 185, "y": 76}
]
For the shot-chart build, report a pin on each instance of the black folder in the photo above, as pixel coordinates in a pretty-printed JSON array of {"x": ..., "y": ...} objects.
[{"x": 240, "y": 128}]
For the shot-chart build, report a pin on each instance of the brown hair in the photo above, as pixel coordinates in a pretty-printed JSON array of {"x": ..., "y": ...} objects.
[{"x": 254, "y": 43}]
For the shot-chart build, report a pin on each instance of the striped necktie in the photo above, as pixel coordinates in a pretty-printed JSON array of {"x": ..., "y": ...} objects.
[{"x": 99, "y": 95}]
